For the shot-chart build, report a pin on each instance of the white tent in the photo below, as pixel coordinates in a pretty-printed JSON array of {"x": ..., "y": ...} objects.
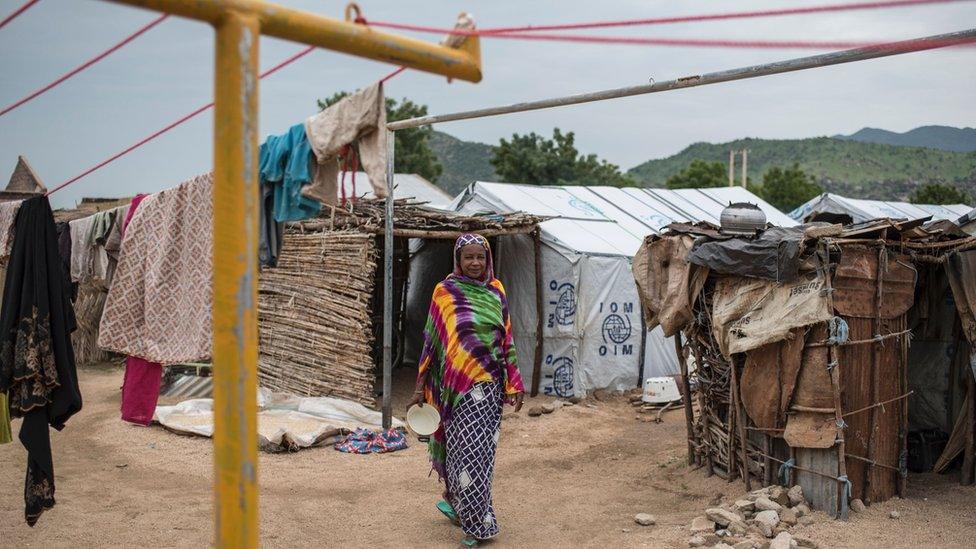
[
  {"x": 865, "y": 210},
  {"x": 593, "y": 326}
]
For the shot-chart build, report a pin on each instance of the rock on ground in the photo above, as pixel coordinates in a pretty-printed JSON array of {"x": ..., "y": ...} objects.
[
  {"x": 745, "y": 544},
  {"x": 743, "y": 505},
  {"x": 696, "y": 541},
  {"x": 702, "y": 525},
  {"x": 802, "y": 510},
  {"x": 722, "y": 517},
  {"x": 738, "y": 528},
  {"x": 780, "y": 495},
  {"x": 535, "y": 411},
  {"x": 788, "y": 517},
  {"x": 548, "y": 408},
  {"x": 644, "y": 519},
  {"x": 857, "y": 506},
  {"x": 894, "y": 515},
  {"x": 796, "y": 495},
  {"x": 806, "y": 520},
  {"x": 767, "y": 521},
  {"x": 783, "y": 541},
  {"x": 766, "y": 504}
]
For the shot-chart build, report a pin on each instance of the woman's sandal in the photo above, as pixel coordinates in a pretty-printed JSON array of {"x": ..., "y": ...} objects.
[
  {"x": 469, "y": 542},
  {"x": 448, "y": 511}
]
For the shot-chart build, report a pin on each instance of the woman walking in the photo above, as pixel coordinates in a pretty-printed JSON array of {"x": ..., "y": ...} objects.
[{"x": 468, "y": 369}]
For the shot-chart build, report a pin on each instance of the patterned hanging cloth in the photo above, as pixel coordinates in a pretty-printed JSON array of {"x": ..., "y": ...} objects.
[
  {"x": 470, "y": 366},
  {"x": 37, "y": 365}
]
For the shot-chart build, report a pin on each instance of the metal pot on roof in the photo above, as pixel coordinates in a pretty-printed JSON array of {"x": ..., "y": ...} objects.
[{"x": 743, "y": 218}]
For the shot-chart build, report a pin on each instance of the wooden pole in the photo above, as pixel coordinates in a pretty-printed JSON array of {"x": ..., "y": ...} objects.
[
  {"x": 388, "y": 241},
  {"x": 731, "y": 167},
  {"x": 903, "y": 410},
  {"x": 969, "y": 459},
  {"x": 740, "y": 425},
  {"x": 767, "y": 462},
  {"x": 745, "y": 167},
  {"x": 539, "y": 311},
  {"x": 686, "y": 396},
  {"x": 834, "y": 368},
  {"x": 703, "y": 407},
  {"x": 875, "y": 373}
]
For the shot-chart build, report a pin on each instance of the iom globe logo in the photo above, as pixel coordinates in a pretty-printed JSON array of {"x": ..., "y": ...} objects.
[
  {"x": 617, "y": 329},
  {"x": 564, "y": 306},
  {"x": 561, "y": 378}
]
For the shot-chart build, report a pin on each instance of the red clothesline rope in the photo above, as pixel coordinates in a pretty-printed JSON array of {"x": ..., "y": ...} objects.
[
  {"x": 17, "y": 12},
  {"x": 188, "y": 117},
  {"x": 87, "y": 64},
  {"x": 492, "y": 31}
]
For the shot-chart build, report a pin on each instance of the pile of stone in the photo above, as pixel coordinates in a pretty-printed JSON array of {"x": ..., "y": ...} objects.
[
  {"x": 763, "y": 519},
  {"x": 551, "y": 407}
]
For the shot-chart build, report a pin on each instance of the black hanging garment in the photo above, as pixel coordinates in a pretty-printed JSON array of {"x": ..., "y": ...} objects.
[{"x": 37, "y": 363}]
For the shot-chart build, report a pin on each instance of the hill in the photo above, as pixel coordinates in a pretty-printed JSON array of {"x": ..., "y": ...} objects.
[
  {"x": 464, "y": 162},
  {"x": 934, "y": 137},
  {"x": 850, "y": 168}
]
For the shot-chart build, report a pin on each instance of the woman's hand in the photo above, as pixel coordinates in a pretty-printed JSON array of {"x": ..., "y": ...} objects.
[
  {"x": 418, "y": 398},
  {"x": 516, "y": 400}
]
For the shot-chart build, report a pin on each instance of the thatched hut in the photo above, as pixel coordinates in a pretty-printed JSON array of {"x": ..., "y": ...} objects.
[{"x": 817, "y": 355}]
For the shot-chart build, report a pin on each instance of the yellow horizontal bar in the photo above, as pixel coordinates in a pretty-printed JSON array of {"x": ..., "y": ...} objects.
[{"x": 333, "y": 34}]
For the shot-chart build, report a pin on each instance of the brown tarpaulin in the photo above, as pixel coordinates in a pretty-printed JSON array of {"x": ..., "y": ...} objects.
[
  {"x": 961, "y": 270},
  {"x": 668, "y": 285},
  {"x": 769, "y": 378}
]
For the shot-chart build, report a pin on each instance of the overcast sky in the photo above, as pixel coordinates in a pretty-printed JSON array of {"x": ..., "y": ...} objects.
[{"x": 167, "y": 73}]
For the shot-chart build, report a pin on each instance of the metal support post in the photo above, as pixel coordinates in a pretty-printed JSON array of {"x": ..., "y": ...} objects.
[
  {"x": 388, "y": 287},
  {"x": 235, "y": 273}
]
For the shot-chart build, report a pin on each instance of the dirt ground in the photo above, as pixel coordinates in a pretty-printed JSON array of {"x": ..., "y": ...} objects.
[{"x": 574, "y": 478}]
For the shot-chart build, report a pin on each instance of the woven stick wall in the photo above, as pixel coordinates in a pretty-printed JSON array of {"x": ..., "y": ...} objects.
[{"x": 314, "y": 316}]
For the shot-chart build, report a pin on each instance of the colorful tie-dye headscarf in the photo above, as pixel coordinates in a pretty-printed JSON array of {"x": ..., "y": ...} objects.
[{"x": 468, "y": 239}]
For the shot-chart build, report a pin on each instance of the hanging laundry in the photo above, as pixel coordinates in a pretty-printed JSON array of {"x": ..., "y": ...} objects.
[
  {"x": 37, "y": 366},
  {"x": 113, "y": 244},
  {"x": 98, "y": 259},
  {"x": 8, "y": 216},
  {"x": 80, "y": 250},
  {"x": 64, "y": 252},
  {"x": 358, "y": 120},
  {"x": 140, "y": 387},
  {"x": 158, "y": 307},
  {"x": 285, "y": 162}
]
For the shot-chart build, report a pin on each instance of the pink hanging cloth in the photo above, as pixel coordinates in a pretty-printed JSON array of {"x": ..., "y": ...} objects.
[{"x": 140, "y": 387}]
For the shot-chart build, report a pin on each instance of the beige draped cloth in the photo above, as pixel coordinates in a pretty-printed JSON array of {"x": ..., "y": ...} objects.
[{"x": 358, "y": 119}]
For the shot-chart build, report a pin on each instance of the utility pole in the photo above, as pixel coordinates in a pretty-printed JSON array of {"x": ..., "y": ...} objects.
[
  {"x": 731, "y": 167},
  {"x": 745, "y": 165}
]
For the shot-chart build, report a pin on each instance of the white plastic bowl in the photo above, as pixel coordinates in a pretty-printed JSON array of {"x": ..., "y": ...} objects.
[{"x": 423, "y": 420}]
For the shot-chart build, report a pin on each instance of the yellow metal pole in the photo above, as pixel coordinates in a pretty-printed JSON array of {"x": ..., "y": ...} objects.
[
  {"x": 235, "y": 322},
  {"x": 333, "y": 34}
]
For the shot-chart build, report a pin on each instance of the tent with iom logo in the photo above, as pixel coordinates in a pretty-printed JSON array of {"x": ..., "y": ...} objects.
[{"x": 593, "y": 334}]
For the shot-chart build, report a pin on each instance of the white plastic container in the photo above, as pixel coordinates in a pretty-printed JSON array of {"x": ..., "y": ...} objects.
[{"x": 660, "y": 390}]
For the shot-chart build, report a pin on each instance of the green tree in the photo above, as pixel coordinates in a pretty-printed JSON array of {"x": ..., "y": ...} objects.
[
  {"x": 699, "y": 175},
  {"x": 938, "y": 193},
  {"x": 413, "y": 152},
  {"x": 787, "y": 189},
  {"x": 534, "y": 160}
]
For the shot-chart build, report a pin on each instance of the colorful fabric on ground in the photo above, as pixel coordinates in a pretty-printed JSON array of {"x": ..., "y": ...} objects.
[
  {"x": 467, "y": 340},
  {"x": 472, "y": 438},
  {"x": 140, "y": 390},
  {"x": 159, "y": 305},
  {"x": 37, "y": 365},
  {"x": 364, "y": 441}
]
